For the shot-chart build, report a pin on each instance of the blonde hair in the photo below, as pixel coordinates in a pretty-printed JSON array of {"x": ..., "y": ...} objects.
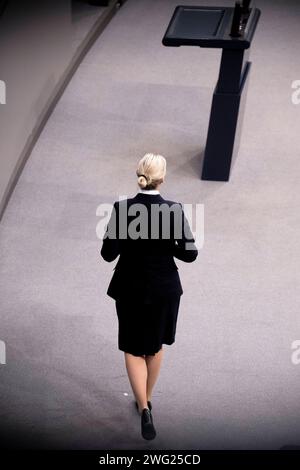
[{"x": 151, "y": 170}]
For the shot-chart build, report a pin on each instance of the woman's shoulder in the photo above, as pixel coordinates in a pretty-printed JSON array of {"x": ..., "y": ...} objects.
[
  {"x": 170, "y": 202},
  {"x": 123, "y": 201}
]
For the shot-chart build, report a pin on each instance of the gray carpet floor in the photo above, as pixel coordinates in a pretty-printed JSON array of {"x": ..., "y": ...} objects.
[{"x": 228, "y": 381}]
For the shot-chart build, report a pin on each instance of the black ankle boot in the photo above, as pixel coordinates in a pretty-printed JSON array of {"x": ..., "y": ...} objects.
[{"x": 147, "y": 426}]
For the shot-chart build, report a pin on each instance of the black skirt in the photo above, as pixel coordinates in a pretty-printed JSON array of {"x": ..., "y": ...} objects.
[{"x": 144, "y": 327}]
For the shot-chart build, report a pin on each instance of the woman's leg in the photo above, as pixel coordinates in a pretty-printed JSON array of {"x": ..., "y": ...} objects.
[
  {"x": 137, "y": 374},
  {"x": 153, "y": 364}
]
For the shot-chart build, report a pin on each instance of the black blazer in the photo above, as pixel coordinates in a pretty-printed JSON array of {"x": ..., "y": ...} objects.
[{"x": 146, "y": 266}]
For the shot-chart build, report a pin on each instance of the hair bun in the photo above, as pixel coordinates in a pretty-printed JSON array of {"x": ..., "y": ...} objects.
[{"x": 142, "y": 182}]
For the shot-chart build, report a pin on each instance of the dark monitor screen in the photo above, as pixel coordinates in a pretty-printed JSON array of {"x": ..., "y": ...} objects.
[{"x": 192, "y": 23}]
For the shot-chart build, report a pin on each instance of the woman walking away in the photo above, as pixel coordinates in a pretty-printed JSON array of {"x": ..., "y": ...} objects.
[{"x": 146, "y": 285}]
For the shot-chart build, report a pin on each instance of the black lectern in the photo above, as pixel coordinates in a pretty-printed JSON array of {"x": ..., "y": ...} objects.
[{"x": 232, "y": 30}]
